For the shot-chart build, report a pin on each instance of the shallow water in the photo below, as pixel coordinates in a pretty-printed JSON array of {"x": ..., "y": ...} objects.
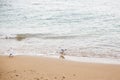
[{"x": 85, "y": 28}]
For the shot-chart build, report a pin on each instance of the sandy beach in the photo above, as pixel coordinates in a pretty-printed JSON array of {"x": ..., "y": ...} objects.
[{"x": 41, "y": 68}]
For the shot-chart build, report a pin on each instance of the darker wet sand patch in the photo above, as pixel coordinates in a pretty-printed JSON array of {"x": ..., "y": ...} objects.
[
  {"x": 55, "y": 77},
  {"x": 74, "y": 74},
  {"x": 16, "y": 75},
  {"x": 36, "y": 78}
]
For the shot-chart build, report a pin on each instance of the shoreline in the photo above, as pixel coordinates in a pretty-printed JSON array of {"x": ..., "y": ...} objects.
[
  {"x": 53, "y": 47},
  {"x": 42, "y": 68},
  {"x": 75, "y": 58}
]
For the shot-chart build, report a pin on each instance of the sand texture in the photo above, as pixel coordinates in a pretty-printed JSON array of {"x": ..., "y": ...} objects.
[{"x": 41, "y": 68}]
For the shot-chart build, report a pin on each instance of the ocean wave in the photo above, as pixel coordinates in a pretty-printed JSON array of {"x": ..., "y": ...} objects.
[{"x": 20, "y": 37}]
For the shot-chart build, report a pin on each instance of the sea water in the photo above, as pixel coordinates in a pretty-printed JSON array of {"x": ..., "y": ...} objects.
[{"x": 86, "y": 28}]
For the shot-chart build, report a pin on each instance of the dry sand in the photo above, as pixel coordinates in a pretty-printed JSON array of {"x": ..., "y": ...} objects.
[{"x": 40, "y": 68}]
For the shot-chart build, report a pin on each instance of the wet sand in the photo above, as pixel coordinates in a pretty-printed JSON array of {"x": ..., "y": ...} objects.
[{"x": 41, "y": 68}]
